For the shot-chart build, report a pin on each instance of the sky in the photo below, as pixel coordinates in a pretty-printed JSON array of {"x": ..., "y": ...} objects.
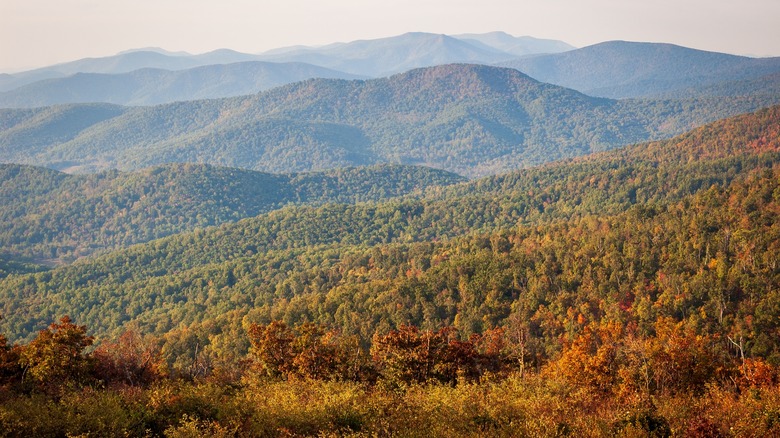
[{"x": 36, "y": 33}]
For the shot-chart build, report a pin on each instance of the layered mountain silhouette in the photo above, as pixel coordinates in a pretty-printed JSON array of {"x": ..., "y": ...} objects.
[
  {"x": 385, "y": 56},
  {"x": 117, "y": 79},
  {"x": 615, "y": 69},
  {"x": 152, "y": 86},
  {"x": 124, "y": 63},
  {"x": 518, "y": 46}
]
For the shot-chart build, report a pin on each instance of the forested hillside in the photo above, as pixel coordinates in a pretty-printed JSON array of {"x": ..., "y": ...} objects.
[
  {"x": 57, "y": 217},
  {"x": 288, "y": 263},
  {"x": 472, "y": 120}
]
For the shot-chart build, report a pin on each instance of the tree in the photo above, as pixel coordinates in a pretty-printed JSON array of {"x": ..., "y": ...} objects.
[
  {"x": 130, "y": 359},
  {"x": 272, "y": 348},
  {"x": 591, "y": 360},
  {"x": 10, "y": 370},
  {"x": 309, "y": 351},
  {"x": 681, "y": 359},
  {"x": 56, "y": 356},
  {"x": 408, "y": 355}
]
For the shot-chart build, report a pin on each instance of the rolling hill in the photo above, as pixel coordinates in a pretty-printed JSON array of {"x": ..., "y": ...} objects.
[
  {"x": 666, "y": 212},
  {"x": 621, "y": 69},
  {"x": 56, "y": 217},
  {"x": 468, "y": 119}
]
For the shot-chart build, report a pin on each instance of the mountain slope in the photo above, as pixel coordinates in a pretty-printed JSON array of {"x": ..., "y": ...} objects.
[
  {"x": 355, "y": 266},
  {"x": 35, "y": 130},
  {"x": 61, "y": 217},
  {"x": 469, "y": 119},
  {"x": 620, "y": 69},
  {"x": 154, "y": 86},
  {"x": 768, "y": 85}
]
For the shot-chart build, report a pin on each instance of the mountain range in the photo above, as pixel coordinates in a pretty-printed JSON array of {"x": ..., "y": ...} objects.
[
  {"x": 517, "y": 46},
  {"x": 368, "y": 58},
  {"x": 386, "y": 56},
  {"x": 614, "y": 69},
  {"x": 468, "y": 119},
  {"x": 124, "y": 62}
]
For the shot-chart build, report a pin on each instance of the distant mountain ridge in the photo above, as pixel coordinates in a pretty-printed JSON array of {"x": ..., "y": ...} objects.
[
  {"x": 385, "y": 56},
  {"x": 126, "y": 78},
  {"x": 621, "y": 69},
  {"x": 614, "y": 69},
  {"x": 374, "y": 58},
  {"x": 123, "y": 63},
  {"x": 154, "y": 86},
  {"x": 469, "y": 119},
  {"x": 518, "y": 46}
]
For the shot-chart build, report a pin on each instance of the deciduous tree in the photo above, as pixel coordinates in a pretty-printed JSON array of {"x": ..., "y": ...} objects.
[{"x": 56, "y": 356}]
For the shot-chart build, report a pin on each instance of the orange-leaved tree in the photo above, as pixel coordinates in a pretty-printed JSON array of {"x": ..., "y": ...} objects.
[
  {"x": 307, "y": 351},
  {"x": 408, "y": 355},
  {"x": 56, "y": 356},
  {"x": 592, "y": 360},
  {"x": 131, "y": 360}
]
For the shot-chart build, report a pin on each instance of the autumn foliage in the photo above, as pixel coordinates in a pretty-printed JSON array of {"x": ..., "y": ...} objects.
[
  {"x": 309, "y": 379},
  {"x": 306, "y": 351},
  {"x": 56, "y": 357},
  {"x": 618, "y": 297}
]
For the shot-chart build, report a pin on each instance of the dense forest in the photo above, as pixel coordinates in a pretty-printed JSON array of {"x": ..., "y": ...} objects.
[
  {"x": 57, "y": 217},
  {"x": 632, "y": 293},
  {"x": 257, "y": 257}
]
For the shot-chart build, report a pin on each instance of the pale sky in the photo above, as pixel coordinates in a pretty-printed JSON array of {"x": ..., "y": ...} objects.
[{"x": 35, "y": 33}]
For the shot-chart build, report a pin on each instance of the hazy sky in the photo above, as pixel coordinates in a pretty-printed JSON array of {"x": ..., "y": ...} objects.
[{"x": 35, "y": 33}]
